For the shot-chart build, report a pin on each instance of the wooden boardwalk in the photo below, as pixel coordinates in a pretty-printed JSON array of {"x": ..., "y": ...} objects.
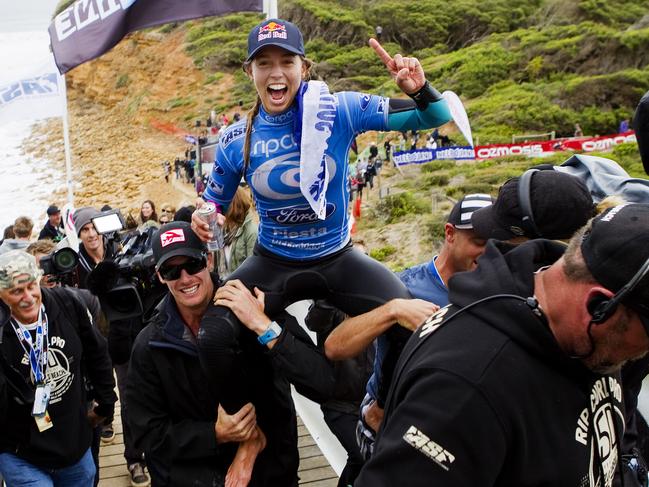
[{"x": 314, "y": 469}]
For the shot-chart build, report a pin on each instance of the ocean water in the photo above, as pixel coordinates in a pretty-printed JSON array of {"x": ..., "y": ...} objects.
[{"x": 26, "y": 184}]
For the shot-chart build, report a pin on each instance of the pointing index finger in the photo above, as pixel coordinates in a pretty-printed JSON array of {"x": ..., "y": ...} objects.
[{"x": 382, "y": 53}]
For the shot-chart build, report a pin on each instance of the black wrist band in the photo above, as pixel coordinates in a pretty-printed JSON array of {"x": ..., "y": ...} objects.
[{"x": 426, "y": 94}]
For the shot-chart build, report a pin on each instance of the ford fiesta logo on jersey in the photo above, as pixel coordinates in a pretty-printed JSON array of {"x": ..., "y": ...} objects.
[
  {"x": 297, "y": 215},
  {"x": 279, "y": 178},
  {"x": 365, "y": 101},
  {"x": 171, "y": 237}
]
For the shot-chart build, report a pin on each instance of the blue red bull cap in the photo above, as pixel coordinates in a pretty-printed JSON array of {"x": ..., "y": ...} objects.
[{"x": 275, "y": 32}]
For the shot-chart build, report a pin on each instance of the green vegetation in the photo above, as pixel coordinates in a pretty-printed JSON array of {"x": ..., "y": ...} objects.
[
  {"x": 521, "y": 66},
  {"x": 214, "y": 78},
  {"x": 179, "y": 102},
  {"x": 122, "y": 81},
  {"x": 382, "y": 253},
  {"x": 394, "y": 207}
]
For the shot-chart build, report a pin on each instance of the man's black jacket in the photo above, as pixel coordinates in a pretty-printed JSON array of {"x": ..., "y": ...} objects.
[
  {"x": 76, "y": 352},
  {"x": 172, "y": 414}
]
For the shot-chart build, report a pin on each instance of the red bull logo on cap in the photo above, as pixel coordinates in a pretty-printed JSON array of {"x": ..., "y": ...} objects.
[{"x": 272, "y": 30}]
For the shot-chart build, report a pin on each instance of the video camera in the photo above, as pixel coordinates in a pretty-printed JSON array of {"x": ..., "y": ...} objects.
[
  {"x": 126, "y": 285},
  {"x": 59, "y": 265}
]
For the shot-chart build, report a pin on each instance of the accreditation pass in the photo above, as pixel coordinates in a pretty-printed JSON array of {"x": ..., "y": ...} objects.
[{"x": 41, "y": 400}]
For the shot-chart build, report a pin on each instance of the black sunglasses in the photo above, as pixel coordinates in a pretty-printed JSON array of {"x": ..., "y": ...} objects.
[{"x": 191, "y": 266}]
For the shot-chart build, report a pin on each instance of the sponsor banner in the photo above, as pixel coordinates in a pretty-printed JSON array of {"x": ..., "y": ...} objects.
[
  {"x": 421, "y": 156},
  {"x": 36, "y": 95},
  {"x": 548, "y": 147},
  {"x": 599, "y": 144},
  {"x": 89, "y": 28}
]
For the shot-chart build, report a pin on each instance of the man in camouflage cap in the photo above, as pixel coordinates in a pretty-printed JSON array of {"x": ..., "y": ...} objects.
[
  {"x": 48, "y": 347},
  {"x": 18, "y": 267}
]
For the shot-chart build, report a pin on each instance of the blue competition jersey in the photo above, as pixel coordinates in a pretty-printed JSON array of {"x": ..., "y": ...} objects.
[{"x": 288, "y": 226}]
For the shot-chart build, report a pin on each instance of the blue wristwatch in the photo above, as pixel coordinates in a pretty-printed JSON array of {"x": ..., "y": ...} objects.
[{"x": 272, "y": 332}]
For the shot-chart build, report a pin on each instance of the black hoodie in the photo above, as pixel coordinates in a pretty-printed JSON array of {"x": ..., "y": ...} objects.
[{"x": 488, "y": 398}]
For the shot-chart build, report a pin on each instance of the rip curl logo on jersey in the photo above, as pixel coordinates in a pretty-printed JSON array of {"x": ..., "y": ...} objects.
[
  {"x": 171, "y": 236},
  {"x": 279, "y": 178},
  {"x": 59, "y": 376},
  {"x": 268, "y": 147},
  {"x": 423, "y": 444},
  {"x": 297, "y": 215},
  {"x": 599, "y": 418},
  {"x": 278, "y": 119},
  {"x": 365, "y": 101},
  {"x": 272, "y": 30}
]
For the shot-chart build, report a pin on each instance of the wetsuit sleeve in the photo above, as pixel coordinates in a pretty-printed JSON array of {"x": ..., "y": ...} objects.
[
  {"x": 97, "y": 364},
  {"x": 441, "y": 432},
  {"x": 297, "y": 358},
  {"x": 641, "y": 127},
  {"x": 225, "y": 176},
  {"x": 403, "y": 114},
  {"x": 371, "y": 112},
  {"x": 153, "y": 429}
]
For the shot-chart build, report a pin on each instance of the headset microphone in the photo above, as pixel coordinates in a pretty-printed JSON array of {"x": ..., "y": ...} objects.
[{"x": 602, "y": 308}]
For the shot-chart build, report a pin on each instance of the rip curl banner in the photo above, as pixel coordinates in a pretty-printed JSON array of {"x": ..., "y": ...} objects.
[
  {"x": 89, "y": 28},
  {"x": 37, "y": 94}
]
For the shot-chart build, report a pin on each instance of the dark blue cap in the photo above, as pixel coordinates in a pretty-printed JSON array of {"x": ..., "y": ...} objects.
[{"x": 275, "y": 32}]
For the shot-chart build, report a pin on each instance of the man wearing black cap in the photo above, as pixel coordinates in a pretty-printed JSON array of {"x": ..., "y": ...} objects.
[
  {"x": 511, "y": 384},
  {"x": 427, "y": 282},
  {"x": 538, "y": 204},
  {"x": 188, "y": 438},
  {"x": 53, "y": 228}
]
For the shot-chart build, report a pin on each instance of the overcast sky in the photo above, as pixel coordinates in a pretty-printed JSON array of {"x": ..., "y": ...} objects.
[{"x": 25, "y": 15}]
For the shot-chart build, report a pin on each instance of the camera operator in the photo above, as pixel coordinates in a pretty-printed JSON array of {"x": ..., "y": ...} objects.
[
  {"x": 48, "y": 345},
  {"x": 93, "y": 249},
  {"x": 43, "y": 248}
]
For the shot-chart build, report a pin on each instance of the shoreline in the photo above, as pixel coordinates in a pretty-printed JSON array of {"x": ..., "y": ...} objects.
[{"x": 104, "y": 169}]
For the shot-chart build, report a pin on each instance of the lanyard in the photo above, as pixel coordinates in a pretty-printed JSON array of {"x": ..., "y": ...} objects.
[{"x": 37, "y": 350}]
